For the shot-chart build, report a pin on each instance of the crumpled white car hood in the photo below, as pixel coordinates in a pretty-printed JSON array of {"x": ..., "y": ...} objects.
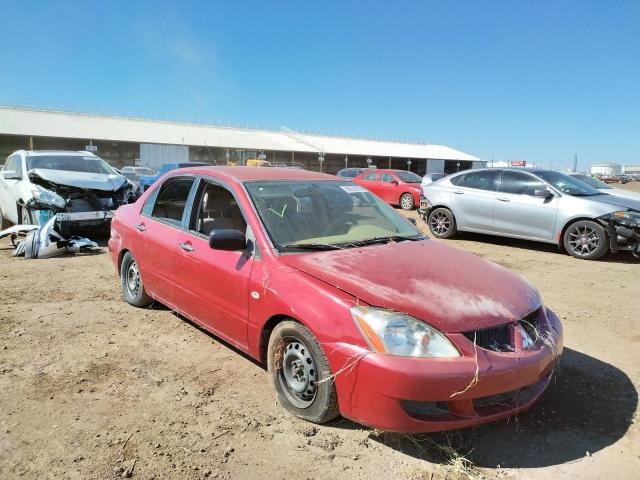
[{"x": 94, "y": 181}]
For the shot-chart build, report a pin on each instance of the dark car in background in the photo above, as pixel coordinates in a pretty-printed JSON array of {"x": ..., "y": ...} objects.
[
  {"x": 145, "y": 181},
  {"x": 350, "y": 173}
]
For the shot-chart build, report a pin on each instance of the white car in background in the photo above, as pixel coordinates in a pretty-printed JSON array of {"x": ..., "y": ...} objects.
[{"x": 79, "y": 188}]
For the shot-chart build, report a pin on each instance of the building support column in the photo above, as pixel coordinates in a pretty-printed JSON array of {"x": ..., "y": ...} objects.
[
  {"x": 389, "y": 163},
  {"x": 30, "y": 143}
]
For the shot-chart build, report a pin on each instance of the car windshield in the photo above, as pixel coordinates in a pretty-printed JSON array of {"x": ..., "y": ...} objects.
[
  {"x": 71, "y": 163},
  {"x": 593, "y": 182},
  {"x": 567, "y": 184},
  {"x": 326, "y": 215},
  {"x": 408, "y": 177}
]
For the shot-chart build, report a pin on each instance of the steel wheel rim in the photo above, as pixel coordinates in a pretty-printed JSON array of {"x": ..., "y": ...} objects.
[
  {"x": 298, "y": 374},
  {"x": 583, "y": 240},
  {"x": 406, "y": 202},
  {"x": 133, "y": 279},
  {"x": 440, "y": 223}
]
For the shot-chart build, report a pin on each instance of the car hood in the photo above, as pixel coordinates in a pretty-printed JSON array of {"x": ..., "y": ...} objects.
[
  {"x": 93, "y": 181},
  {"x": 617, "y": 200},
  {"x": 450, "y": 289}
]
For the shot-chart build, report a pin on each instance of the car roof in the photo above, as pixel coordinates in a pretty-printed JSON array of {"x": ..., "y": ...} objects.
[
  {"x": 66, "y": 153},
  {"x": 250, "y": 174}
]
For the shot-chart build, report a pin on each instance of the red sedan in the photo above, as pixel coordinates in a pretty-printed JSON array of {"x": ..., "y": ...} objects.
[
  {"x": 396, "y": 187},
  {"x": 351, "y": 308}
]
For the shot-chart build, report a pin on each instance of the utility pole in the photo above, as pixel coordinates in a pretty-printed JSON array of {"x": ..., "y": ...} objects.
[{"x": 575, "y": 162}]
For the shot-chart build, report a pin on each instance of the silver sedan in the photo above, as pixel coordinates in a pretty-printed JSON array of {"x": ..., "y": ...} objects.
[{"x": 541, "y": 205}]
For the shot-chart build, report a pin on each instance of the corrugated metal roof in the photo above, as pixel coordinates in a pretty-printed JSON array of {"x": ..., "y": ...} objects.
[{"x": 47, "y": 123}]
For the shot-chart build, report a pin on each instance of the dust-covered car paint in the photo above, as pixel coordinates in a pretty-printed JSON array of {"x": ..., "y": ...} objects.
[{"x": 466, "y": 341}]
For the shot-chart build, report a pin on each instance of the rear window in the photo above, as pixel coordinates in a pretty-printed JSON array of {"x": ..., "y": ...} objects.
[{"x": 482, "y": 180}]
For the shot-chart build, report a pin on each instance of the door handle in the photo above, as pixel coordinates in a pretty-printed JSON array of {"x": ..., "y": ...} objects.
[
  {"x": 503, "y": 199},
  {"x": 458, "y": 192},
  {"x": 141, "y": 227},
  {"x": 187, "y": 247}
]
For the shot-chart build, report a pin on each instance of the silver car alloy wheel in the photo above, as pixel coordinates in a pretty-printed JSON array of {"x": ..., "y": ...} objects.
[
  {"x": 440, "y": 223},
  {"x": 406, "y": 202},
  {"x": 583, "y": 240}
]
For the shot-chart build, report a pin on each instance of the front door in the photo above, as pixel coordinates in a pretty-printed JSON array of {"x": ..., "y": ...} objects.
[
  {"x": 519, "y": 212},
  {"x": 9, "y": 188},
  {"x": 389, "y": 191},
  {"x": 212, "y": 286}
]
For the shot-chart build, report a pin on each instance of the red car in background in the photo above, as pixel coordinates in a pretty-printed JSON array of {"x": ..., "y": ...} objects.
[
  {"x": 396, "y": 187},
  {"x": 351, "y": 307}
]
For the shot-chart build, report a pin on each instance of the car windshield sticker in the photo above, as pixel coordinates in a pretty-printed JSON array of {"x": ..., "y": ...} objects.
[{"x": 353, "y": 189}]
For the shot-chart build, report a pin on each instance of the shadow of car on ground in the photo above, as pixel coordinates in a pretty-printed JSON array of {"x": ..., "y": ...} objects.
[{"x": 588, "y": 406}]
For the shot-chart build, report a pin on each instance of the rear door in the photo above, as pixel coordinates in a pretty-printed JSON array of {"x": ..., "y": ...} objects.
[
  {"x": 519, "y": 212},
  {"x": 158, "y": 230},
  {"x": 473, "y": 198},
  {"x": 370, "y": 181},
  {"x": 212, "y": 286}
]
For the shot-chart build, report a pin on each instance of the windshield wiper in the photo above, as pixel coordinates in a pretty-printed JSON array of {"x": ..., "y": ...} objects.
[
  {"x": 310, "y": 246},
  {"x": 374, "y": 240}
]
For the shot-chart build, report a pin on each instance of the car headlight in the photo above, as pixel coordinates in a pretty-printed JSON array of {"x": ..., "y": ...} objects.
[
  {"x": 628, "y": 215},
  {"x": 396, "y": 333},
  {"x": 46, "y": 197}
]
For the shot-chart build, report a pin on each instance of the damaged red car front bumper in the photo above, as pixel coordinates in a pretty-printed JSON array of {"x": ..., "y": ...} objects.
[{"x": 406, "y": 394}]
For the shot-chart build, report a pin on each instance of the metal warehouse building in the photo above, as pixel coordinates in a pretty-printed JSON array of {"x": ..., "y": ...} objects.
[{"x": 133, "y": 141}]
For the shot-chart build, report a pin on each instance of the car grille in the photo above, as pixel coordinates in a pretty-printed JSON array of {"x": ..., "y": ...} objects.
[{"x": 499, "y": 339}]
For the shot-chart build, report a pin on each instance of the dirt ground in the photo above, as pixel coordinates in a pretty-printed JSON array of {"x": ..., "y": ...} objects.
[{"x": 91, "y": 388}]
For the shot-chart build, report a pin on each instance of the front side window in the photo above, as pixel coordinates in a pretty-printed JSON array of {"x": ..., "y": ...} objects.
[
  {"x": 387, "y": 178},
  {"x": 481, "y": 180},
  {"x": 325, "y": 214},
  {"x": 520, "y": 183},
  {"x": 172, "y": 200},
  {"x": 14, "y": 164},
  {"x": 216, "y": 209},
  {"x": 70, "y": 163}
]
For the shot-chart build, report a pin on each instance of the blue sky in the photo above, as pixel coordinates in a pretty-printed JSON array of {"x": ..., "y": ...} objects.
[{"x": 532, "y": 80}]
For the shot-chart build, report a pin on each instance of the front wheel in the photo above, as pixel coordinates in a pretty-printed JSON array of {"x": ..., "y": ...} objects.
[
  {"x": 442, "y": 223},
  {"x": 407, "y": 202},
  {"x": 586, "y": 240},
  {"x": 132, "y": 287},
  {"x": 300, "y": 373}
]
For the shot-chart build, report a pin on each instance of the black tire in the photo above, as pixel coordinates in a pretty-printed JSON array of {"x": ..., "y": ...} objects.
[
  {"x": 24, "y": 216},
  {"x": 132, "y": 287},
  {"x": 291, "y": 357},
  {"x": 407, "y": 202},
  {"x": 586, "y": 240},
  {"x": 442, "y": 223}
]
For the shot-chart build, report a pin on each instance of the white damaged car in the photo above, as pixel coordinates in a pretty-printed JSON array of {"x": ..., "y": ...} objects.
[{"x": 79, "y": 188}]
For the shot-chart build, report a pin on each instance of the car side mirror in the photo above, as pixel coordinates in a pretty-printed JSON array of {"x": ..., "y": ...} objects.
[
  {"x": 395, "y": 183},
  {"x": 413, "y": 221},
  {"x": 227, "y": 239},
  {"x": 542, "y": 193},
  {"x": 11, "y": 175}
]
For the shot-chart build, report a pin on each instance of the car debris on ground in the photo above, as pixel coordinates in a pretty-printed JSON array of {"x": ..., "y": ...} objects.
[{"x": 44, "y": 241}]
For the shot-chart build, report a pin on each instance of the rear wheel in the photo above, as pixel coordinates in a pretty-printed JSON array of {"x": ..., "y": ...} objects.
[
  {"x": 131, "y": 281},
  {"x": 407, "y": 202},
  {"x": 300, "y": 373},
  {"x": 442, "y": 223},
  {"x": 586, "y": 239}
]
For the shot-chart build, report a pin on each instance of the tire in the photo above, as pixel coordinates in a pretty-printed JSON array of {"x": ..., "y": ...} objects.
[
  {"x": 586, "y": 240},
  {"x": 24, "y": 216},
  {"x": 442, "y": 223},
  {"x": 132, "y": 287},
  {"x": 407, "y": 202},
  {"x": 291, "y": 357}
]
